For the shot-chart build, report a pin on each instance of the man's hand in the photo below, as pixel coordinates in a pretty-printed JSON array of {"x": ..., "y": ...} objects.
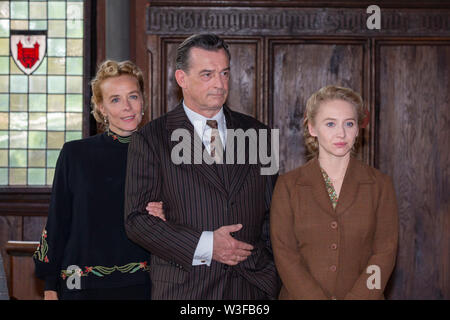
[
  {"x": 50, "y": 295},
  {"x": 228, "y": 250},
  {"x": 156, "y": 209}
]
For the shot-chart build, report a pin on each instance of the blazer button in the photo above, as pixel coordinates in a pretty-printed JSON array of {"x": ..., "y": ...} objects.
[
  {"x": 334, "y": 246},
  {"x": 334, "y": 225},
  {"x": 333, "y": 268}
]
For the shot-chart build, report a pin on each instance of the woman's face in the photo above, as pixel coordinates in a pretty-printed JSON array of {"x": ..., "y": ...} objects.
[
  {"x": 122, "y": 104},
  {"x": 336, "y": 128}
]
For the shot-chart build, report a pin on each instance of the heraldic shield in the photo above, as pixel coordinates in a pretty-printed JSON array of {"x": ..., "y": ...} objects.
[{"x": 28, "y": 49}]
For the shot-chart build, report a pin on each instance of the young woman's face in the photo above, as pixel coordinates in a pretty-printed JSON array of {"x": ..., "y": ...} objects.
[
  {"x": 336, "y": 128},
  {"x": 122, "y": 104}
]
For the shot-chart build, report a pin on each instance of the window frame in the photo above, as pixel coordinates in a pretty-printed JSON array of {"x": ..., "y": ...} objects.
[{"x": 34, "y": 200}]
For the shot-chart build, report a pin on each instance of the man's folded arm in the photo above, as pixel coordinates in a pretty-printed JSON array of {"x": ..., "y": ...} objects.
[{"x": 170, "y": 241}]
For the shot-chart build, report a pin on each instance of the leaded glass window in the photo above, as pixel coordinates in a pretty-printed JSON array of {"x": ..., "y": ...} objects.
[{"x": 42, "y": 109}]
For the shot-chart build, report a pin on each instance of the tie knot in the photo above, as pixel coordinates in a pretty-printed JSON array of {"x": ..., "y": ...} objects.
[{"x": 212, "y": 123}]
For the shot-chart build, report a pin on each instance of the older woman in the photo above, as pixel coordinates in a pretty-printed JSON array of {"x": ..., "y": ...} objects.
[
  {"x": 84, "y": 252},
  {"x": 334, "y": 226}
]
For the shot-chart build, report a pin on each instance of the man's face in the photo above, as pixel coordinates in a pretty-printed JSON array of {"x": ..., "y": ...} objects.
[{"x": 205, "y": 84}]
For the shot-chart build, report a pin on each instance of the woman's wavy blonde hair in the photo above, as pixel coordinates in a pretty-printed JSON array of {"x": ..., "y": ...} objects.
[
  {"x": 326, "y": 94},
  {"x": 109, "y": 69}
]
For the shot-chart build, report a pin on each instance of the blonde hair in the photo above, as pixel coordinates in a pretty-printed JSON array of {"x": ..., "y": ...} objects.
[
  {"x": 109, "y": 69},
  {"x": 324, "y": 94}
]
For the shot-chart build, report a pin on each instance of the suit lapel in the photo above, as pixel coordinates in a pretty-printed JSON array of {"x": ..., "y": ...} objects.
[
  {"x": 237, "y": 172},
  {"x": 177, "y": 119},
  {"x": 355, "y": 175},
  {"x": 312, "y": 177}
]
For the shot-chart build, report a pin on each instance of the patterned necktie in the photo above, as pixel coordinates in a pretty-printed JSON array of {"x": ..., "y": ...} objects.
[{"x": 216, "y": 148}]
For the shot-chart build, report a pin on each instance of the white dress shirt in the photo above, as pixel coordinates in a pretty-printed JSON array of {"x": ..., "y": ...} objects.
[{"x": 204, "y": 251}]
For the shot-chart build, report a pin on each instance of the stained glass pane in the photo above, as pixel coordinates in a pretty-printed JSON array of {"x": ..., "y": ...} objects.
[
  {"x": 4, "y": 9},
  {"x": 4, "y": 102},
  {"x": 19, "y": 84},
  {"x": 75, "y": 66},
  {"x": 56, "y": 65},
  {"x": 38, "y": 83},
  {"x": 18, "y": 139},
  {"x": 74, "y": 102},
  {"x": 50, "y": 175},
  {"x": 18, "y": 176},
  {"x": 4, "y": 139},
  {"x": 73, "y": 135},
  {"x": 19, "y": 10},
  {"x": 74, "y": 47},
  {"x": 56, "y": 10},
  {"x": 4, "y": 65},
  {"x": 36, "y": 158},
  {"x": 56, "y": 102},
  {"x": 38, "y": 102},
  {"x": 38, "y": 121},
  {"x": 3, "y": 158},
  {"x": 74, "y": 10},
  {"x": 4, "y": 28},
  {"x": 55, "y": 140},
  {"x": 36, "y": 176},
  {"x": 18, "y": 120},
  {"x": 37, "y": 139},
  {"x": 4, "y": 120},
  {"x": 3, "y": 176},
  {"x": 74, "y": 28},
  {"x": 55, "y": 121},
  {"x": 17, "y": 158},
  {"x": 56, "y": 84},
  {"x": 4, "y": 46},
  {"x": 57, "y": 28},
  {"x": 56, "y": 47},
  {"x": 52, "y": 156},
  {"x": 38, "y": 10},
  {"x": 40, "y": 108}
]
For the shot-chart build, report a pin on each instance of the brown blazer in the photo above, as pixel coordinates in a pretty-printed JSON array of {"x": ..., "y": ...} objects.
[
  {"x": 322, "y": 253},
  {"x": 198, "y": 197}
]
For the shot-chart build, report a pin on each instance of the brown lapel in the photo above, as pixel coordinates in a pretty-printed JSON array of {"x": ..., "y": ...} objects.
[
  {"x": 177, "y": 119},
  {"x": 354, "y": 176}
]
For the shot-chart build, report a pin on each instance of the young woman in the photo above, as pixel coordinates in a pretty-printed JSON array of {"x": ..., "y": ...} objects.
[
  {"x": 334, "y": 227},
  {"x": 84, "y": 238}
]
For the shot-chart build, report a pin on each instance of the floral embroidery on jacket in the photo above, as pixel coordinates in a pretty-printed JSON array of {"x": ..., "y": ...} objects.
[
  {"x": 101, "y": 271},
  {"x": 330, "y": 189},
  {"x": 42, "y": 248}
]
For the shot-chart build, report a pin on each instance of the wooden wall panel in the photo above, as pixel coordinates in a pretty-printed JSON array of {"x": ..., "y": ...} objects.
[
  {"x": 32, "y": 228},
  {"x": 413, "y": 148},
  {"x": 10, "y": 229},
  {"x": 300, "y": 69},
  {"x": 244, "y": 95}
]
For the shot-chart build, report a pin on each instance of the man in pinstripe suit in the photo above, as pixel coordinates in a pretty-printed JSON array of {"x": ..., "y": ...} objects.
[{"x": 214, "y": 240}]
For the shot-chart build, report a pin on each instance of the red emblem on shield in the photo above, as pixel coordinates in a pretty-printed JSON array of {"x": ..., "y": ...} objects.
[{"x": 28, "y": 49}]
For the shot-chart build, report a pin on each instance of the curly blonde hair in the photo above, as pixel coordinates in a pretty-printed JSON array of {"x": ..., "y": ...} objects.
[
  {"x": 109, "y": 69},
  {"x": 324, "y": 94}
]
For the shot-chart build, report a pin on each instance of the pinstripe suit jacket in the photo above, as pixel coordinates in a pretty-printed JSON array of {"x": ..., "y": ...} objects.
[{"x": 198, "y": 197}]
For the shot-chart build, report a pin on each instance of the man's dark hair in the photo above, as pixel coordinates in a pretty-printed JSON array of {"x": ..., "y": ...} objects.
[{"x": 209, "y": 42}]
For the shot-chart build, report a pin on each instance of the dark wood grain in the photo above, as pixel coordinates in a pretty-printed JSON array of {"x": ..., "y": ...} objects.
[
  {"x": 300, "y": 69},
  {"x": 413, "y": 148},
  {"x": 243, "y": 95}
]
